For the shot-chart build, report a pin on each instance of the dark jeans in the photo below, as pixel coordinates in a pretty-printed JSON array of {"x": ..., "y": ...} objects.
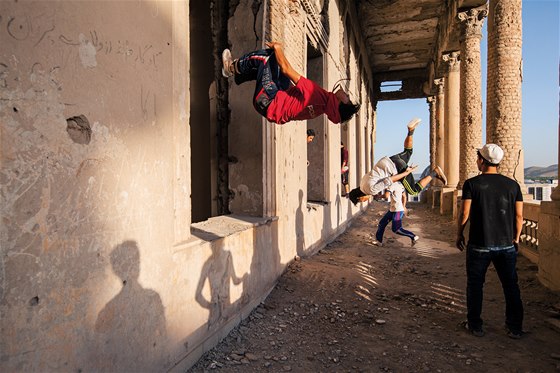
[
  {"x": 262, "y": 67},
  {"x": 396, "y": 218},
  {"x": 504, "y": 261},
  {"x": 401, "y": 162},
  {"x": 344, "y": 177}
]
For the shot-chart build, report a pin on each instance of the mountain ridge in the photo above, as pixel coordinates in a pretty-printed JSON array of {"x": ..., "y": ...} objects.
[{"x": 541, "y": 172}]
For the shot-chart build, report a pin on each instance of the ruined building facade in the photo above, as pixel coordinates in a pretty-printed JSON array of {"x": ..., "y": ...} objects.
[{"x": 146, "y": 207}]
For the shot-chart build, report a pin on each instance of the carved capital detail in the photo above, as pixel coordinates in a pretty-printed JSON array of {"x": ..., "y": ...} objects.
[
  {"x": 439, "y": 83},
  {"x": 472, "y": 21},
  {"x": 451, "y": 61}
]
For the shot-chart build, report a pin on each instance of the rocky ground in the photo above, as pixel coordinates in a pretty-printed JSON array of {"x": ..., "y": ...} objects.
[{"x": 356, "y": 307}]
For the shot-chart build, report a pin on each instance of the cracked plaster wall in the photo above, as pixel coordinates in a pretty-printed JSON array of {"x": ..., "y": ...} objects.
[{"x": 74, "y": 200}]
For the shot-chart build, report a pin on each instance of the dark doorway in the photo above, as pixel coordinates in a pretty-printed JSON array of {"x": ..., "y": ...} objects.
[{"x": 201, "y": 79}]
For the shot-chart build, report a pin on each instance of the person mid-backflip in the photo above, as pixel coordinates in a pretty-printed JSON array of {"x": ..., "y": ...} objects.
[
  {"x": 276, "y": 98},
  {"x": 392, "y": 169}
]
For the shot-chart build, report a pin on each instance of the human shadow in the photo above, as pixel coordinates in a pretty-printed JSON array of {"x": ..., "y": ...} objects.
[
  {"x": 299, "y": 227},
  {"x": 219, "y": 271},
  {"x": 130, "y": 330}
]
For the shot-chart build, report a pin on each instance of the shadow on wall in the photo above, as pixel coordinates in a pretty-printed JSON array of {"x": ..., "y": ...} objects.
[
  {"x": 130, "y": 331},
  {"x": 299, "y": 223},
  {"x": 220, "y": 273}
]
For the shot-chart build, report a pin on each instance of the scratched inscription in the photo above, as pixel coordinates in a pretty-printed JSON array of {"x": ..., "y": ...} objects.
[{"x": 41, "y": 29}]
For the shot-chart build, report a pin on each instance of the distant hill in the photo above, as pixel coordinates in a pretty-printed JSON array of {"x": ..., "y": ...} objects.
[
  {"x": 537, "y": 172},
  {"x": 530, "y": 172}
]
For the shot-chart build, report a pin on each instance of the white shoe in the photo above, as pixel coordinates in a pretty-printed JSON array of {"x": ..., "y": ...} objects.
[
  {"x": 413, "y": 123},
  {"x": 440, "y": 175},
  {"x": 415, "y": 239},
  {"x": 377, "y": 243},
  {"x": 227, "y": 64}
]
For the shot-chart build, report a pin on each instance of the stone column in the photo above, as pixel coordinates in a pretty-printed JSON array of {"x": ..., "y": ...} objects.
[
  {"x": 440, "y": 120},
  {"x": 471, "y": 98},
  {"x": 431, "y": 100},
  {"x": 549, "y": 236},
  {"x": 503, "y": 97},
  {"x": 452, "y": 86}
]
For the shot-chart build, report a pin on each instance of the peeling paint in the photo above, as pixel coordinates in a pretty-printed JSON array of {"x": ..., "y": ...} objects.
[{"x": 87, "y": 52}]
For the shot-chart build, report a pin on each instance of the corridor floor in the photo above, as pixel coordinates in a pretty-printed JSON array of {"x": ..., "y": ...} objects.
[{"x": 356, "y": 307}]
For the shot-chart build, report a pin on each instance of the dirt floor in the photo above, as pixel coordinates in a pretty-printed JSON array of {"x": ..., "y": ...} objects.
[{"x": 356, "y": 307}]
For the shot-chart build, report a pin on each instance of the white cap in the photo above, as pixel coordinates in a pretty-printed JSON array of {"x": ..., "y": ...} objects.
[{"x": 492, "y": 153}]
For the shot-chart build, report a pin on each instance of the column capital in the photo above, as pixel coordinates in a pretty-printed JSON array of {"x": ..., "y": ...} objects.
[
  {"x": 431, "y": 100},
  {"x": 471, "y": 22},
  {"x": 440, "y": 84},
  {"x": 451, "y": 61}
]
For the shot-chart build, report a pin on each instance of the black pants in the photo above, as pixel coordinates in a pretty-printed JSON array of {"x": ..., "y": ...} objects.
[{"x": 401, "y": 162}]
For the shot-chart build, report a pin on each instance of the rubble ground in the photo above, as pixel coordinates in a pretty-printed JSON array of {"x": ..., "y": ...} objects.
[{"x": 356, "y": 307}]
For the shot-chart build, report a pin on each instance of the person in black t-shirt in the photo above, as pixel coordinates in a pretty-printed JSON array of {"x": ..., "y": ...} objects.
[{"x": 494, "y": 205}]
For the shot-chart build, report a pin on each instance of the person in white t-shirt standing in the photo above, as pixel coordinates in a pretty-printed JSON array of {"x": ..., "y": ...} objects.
[
  {"x": 397, "y": 209},
  {"x": 392, "y": 169}
]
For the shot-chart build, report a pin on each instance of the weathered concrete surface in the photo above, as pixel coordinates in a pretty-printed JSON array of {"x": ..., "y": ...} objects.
[
  {"x": 99, "y": 270},
  {"x": 405, "y": 40},
  {"x": 549, "y": 250},
  {"x": 76, "y": 237}
]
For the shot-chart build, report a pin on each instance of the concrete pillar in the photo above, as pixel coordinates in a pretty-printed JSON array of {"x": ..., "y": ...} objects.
[
  {"x": 440, "y": 120},
  {"x": 470, "y": 95},
  {"x": 452, "y": 86},
  {"x": 503, "y": 105},
  {"x": 549, "y": 236},
  {"x": 431, "y": 100}
]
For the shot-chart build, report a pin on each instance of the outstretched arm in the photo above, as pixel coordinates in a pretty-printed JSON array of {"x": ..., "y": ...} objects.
[
  {"x": 403, "y": 174},
  {"x": 285, "y": 66}
]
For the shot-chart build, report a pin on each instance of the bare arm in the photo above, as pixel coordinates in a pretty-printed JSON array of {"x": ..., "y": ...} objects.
[
  {"x": 403, "y": 174},
  {"x": 518, "y": 220},
  {"x": 404, "y": 200},
  {"x": 285, "y": 66},
  {"x": 462, "y": 222}
]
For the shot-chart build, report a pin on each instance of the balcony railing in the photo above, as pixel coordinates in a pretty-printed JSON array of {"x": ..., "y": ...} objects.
[{"x": 529, "y": 241}]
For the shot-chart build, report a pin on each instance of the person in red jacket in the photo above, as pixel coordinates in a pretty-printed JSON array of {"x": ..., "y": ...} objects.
[{"x": 281, "y": 93}]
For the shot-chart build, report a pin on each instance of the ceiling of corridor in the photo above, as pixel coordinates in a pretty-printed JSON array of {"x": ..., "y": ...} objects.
[{"x": 403, "y": 37}]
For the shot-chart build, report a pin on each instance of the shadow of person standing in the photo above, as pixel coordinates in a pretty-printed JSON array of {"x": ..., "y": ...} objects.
[
  {"x": 130, "y": 330},
  {"x": 300, "y": 231},
  {"x": 218, "y": 270}
]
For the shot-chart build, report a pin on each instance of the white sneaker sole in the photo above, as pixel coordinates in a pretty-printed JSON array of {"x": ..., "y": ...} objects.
[
  {"x": 413, "y": 123},
  {"x": 440, "y": 172},
  {"x": 226, "y": 61}
]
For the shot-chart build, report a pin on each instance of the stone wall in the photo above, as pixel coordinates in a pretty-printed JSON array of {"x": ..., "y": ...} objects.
[
  {"x": 101, "y": 267},
  {"x": 505, "y": 73}
]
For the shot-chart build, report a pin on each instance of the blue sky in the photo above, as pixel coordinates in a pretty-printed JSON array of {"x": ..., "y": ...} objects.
[{"x": 541, "y": 41}]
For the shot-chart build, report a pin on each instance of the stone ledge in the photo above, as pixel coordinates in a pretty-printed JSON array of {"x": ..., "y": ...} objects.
[{"x": 226, "y": 225}]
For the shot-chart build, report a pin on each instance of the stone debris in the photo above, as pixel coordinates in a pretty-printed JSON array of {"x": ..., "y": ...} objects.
[{"x": 382, "y": 310}]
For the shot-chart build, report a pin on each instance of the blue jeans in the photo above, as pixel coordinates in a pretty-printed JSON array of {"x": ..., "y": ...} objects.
[
  {"x": 262, "y": 67},
  {"x": 504, "y": 260},
  {"x": 396, "y": 218}
]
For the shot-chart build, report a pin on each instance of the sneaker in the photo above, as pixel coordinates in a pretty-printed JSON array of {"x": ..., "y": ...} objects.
[
  {"x": 413, "y": 124},
  {"x": 415, "y": 239},
  {"x": 227, "y": 64},
  {"x": 476, "y": 332},
  {"x": 377, "y": 243},
  {"x": 514, "y": 334},
  {"x": 440, "y": 175}
]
